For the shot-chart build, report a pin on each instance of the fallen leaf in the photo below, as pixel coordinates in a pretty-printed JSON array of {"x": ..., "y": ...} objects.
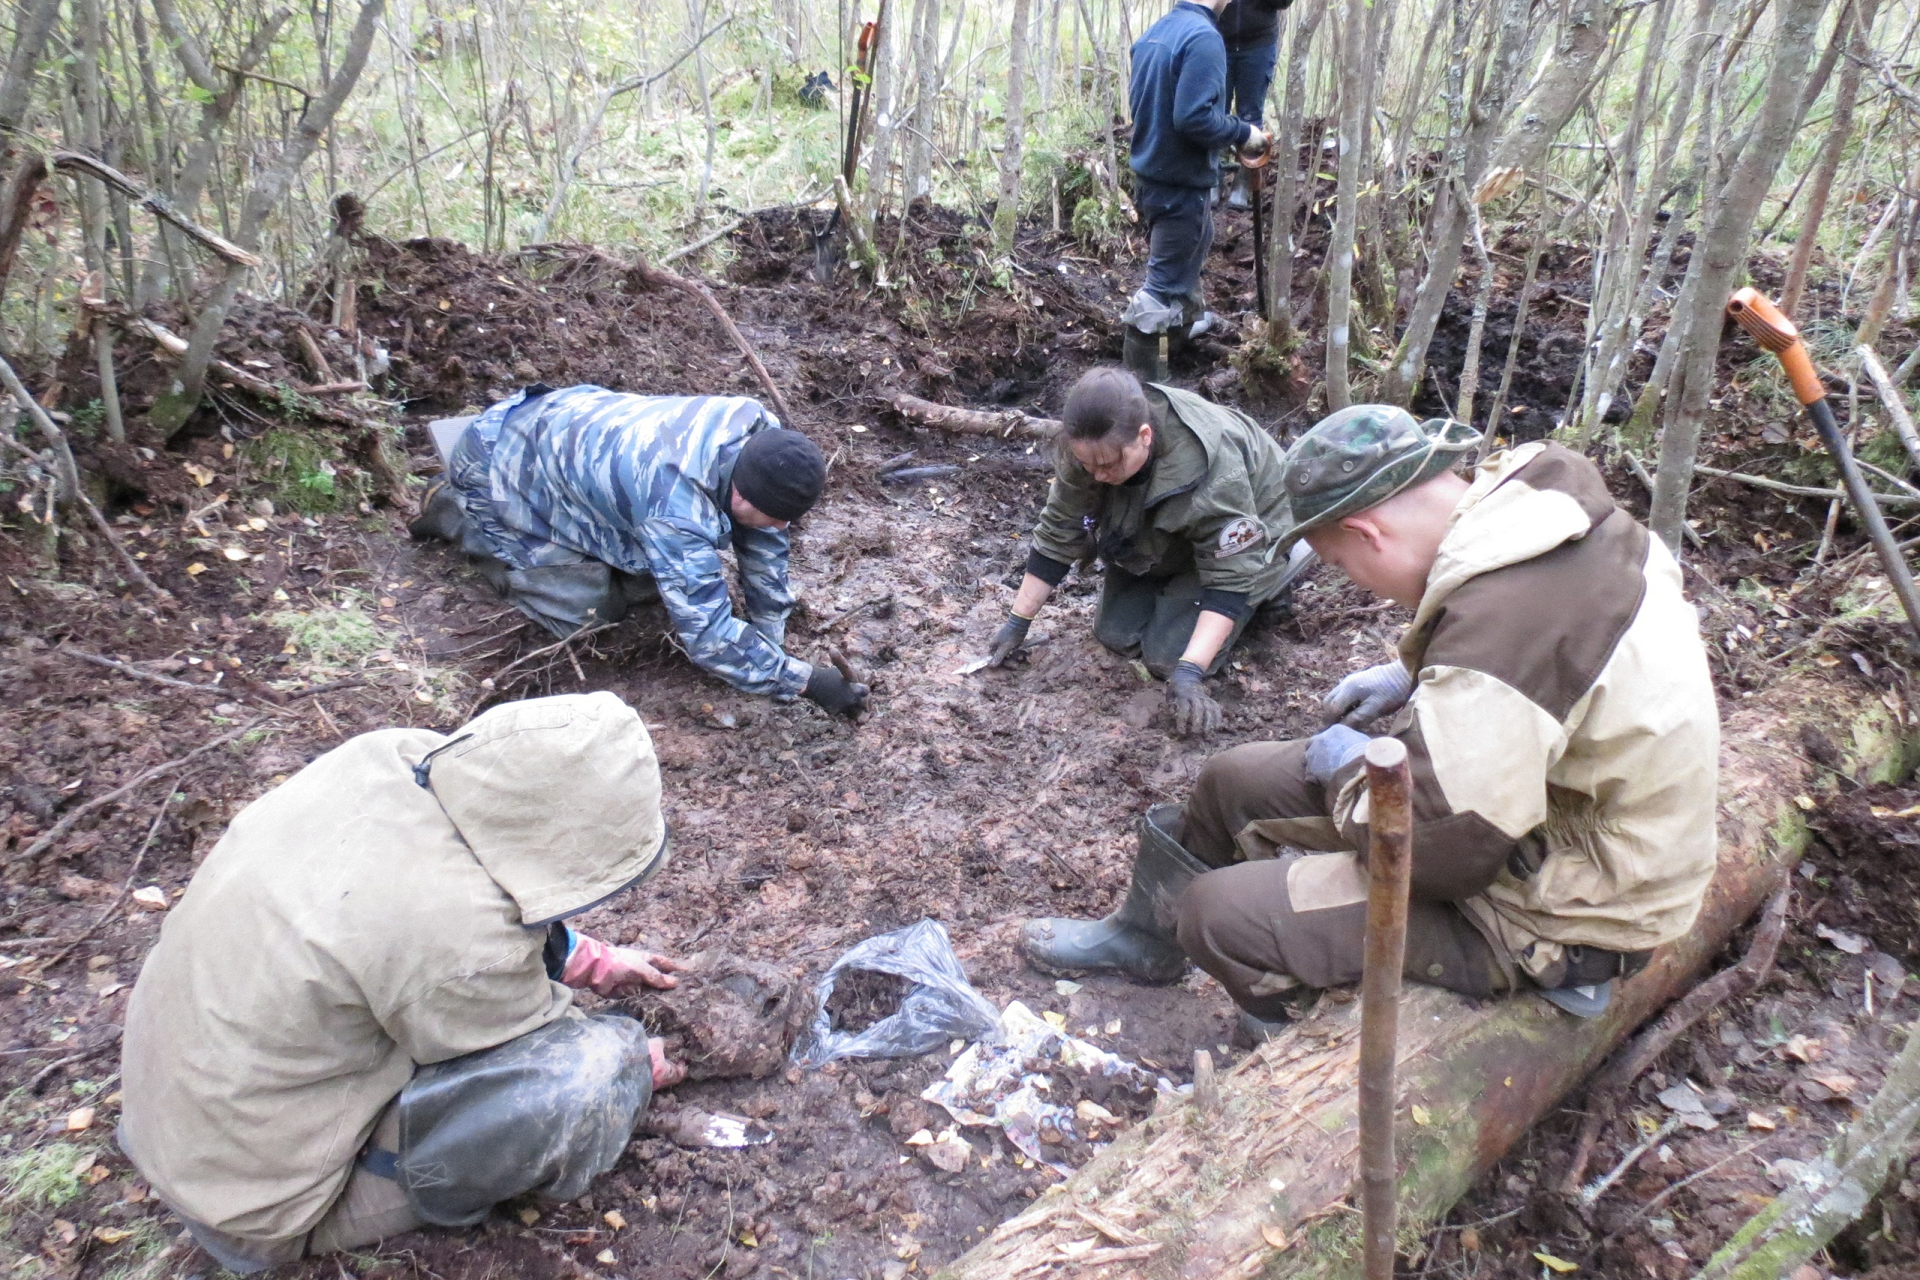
[
  {"x": 750, "y": 1240},
  {"x": 1851, "y": 943},
  {"x": 1764, "y": 1124},
  {"x": 235, "y": 554},
  {"x": 446, "y": 305},
  {"x": 1682, "y": 1098},
  {"x": 529, "y": 1216},
  {"x": 1801, "y": 1048},
  {"x": 79, "y": 1118},
  {"x": 1560, "y": 1265},
  {"x": 98, "y": 1174},
  {"x": 110, "y": 1235},
  {"x": 151, "y": 898},
  {"x": 1093, "y": 1113},
  {"x": 1470, "y": 1240},
  {"x": 606, "y": 1257},
  {"x": 1273, "y": 1235},
  {"x": 1805, "y": 802},
  {"x": 195, "y": 569},
  {"x": 67, "y": 1232},
  {"x": 613, "y": 1219},
  {"x": 1839, "y": 1082},
  {"x": 84, "y": 1163},
  {"x": 1065, "y": 987},
  {"x": 1421, "y": 1115},
  {"x": 921, "y": 1138},
  {"x": 201, "y": 475},
  {"x": 1055, "y": 1020}
]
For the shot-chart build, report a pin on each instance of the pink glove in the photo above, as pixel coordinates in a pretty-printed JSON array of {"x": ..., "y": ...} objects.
[{"x": 606, "y": 968}]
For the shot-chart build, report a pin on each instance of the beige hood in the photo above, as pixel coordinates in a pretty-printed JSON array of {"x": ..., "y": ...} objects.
[{"x": 559, "y": 799}]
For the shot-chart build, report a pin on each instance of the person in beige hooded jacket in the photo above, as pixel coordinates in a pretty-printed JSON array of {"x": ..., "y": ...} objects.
[
  {"x": 358, "y": 1017},
  {"x": 1554, "y": 698}
]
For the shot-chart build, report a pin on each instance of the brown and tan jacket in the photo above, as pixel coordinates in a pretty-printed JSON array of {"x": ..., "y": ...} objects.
[
  {"x": 1563, "y": 731},
  {"x": 351, "y": 925}
]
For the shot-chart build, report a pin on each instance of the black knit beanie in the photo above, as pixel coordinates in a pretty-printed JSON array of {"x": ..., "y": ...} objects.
[{"x": 780, "y": 472}]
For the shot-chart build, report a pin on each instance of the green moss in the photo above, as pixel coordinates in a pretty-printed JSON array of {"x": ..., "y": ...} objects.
[
  {"x": 303, "y": 471},
  {"x": 330, "y": 637}
]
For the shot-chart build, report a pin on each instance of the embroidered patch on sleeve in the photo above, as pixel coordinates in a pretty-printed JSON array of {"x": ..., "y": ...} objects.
[{"x": 1238, "y": 536}]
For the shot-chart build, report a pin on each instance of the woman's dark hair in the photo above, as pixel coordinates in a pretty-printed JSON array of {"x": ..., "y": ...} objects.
[{"x": 1106, "y": 401}]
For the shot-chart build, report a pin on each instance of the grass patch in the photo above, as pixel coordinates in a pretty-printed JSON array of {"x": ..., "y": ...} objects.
[
  {"x": 43, "y": 1177},
  {"x": 331, "y": 637}
]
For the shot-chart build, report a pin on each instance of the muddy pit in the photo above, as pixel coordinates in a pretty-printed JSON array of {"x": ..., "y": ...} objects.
[{"x": 977, "y": 801}]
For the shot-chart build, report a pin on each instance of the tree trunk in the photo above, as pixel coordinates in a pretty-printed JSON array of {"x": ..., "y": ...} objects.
[
  {"x": 1356, "y": 45},
  {"x": 172, "y": 409},
  {"x": 1719, "y": 255},
  {"x": 1006, "y": 215},
  {"x": 1824, "y": 1199},
  {"x": 1499, "y": 74},
  {"x": 36, "y": 22},
  {"x": 926, "y": 57},
  {"x": 1306, "y": 17},
  {"x": 1820, "y": 185},
  {"x": 1262, "y": 1185}
]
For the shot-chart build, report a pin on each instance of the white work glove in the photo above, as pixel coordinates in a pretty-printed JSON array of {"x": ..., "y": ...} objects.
[
  {"x": 1329, "y": 751},
  {"x": 1367, "y": 695}
]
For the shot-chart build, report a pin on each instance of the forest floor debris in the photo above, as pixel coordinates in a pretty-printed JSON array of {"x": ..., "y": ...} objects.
[{"x": 306, "y": 615}]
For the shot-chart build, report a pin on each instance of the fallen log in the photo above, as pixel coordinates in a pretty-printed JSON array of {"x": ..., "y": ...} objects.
[
  {"x": 1265, "y": 1185},
  {"x": 978, "y": 422}
]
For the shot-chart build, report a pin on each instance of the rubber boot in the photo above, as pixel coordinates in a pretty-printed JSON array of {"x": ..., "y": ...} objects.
[
  {"x": 1138, "y": 939},
  {"x": 441, "y": 515},
  {"x": 1144, "y": 354}
]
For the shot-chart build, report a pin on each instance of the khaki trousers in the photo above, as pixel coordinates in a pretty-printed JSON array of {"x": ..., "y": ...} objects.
[{"x": 1286, "y": 906}]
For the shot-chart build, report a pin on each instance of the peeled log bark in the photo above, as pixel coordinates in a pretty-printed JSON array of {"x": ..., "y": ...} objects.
[
  {"x": 979, "y": 422},
  {"x": 1263, "y": 1185}
]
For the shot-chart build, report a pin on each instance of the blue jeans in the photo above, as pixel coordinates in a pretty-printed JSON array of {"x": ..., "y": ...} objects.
[
  {"x": 1249, "y": 75},
  {"x": 1179, "y": 222}
]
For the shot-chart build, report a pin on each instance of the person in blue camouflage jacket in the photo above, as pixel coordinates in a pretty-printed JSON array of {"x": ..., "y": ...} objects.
[{"x": 576, "y": 504}]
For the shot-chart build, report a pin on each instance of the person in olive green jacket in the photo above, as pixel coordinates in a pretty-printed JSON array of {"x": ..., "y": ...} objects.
[{"x": 1183, "y": 501}]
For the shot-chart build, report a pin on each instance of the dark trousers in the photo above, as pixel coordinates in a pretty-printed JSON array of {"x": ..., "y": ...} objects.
[
  {"x": 1152, "y": 619},
  {"x": 1249, "y": 76},
  {"x": 1286, "y": 907},
  {"x": 1179, "y": 223}
]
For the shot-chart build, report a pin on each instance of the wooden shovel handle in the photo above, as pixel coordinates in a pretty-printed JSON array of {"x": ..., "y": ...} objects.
[{"x": 1752, "y": 311}]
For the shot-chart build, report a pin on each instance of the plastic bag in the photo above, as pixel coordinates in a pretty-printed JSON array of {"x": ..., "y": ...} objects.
[
  {"x": 995, "y": 1083},
  {"x": 941, "y": 1005}
]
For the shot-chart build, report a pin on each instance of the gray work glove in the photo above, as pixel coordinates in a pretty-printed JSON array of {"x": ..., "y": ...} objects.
[
  {"x": 1331, "y": 749},
  {"x": 1193, "y": 711},
  {"x": 1367, "y": 695},
  {"x": 774, "y": 629},
  {"x": 1007, "y": 640},
  {"x": 835, "y": 693}
]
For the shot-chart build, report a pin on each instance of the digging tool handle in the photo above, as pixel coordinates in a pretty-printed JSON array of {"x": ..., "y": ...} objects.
[
  {"x": 1390, "y": 871},
  {"x": 1752, "y": 311}
]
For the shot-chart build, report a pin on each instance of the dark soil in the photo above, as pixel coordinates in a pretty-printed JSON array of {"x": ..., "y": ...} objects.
[
  {"x": 862, "y": 997},
  {"x": 978, "y": 801}
]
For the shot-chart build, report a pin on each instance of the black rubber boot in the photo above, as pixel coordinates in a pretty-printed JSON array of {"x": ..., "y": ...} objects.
[
  {"x": 1138, "y": 939},
  {"x": 1251, "y": 1030},
  {"x": 1144, "y": 354},
  {"x": 441, "y": 515}
]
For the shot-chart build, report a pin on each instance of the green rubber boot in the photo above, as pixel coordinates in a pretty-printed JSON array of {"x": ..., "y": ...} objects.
[{"x": 1138, "y": 939}]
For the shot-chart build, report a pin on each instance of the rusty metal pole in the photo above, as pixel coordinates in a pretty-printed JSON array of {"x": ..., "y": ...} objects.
[{"x": 1390, "y": 868}]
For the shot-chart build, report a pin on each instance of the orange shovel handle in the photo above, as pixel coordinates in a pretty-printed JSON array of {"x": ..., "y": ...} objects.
[{"x": 1752, "y": 311}]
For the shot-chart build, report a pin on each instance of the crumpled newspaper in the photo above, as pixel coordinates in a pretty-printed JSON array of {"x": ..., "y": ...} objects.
[{"x": 990, "y": 1083}]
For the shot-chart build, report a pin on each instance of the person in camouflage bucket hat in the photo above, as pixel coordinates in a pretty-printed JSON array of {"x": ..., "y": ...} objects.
[
  {"x": 1361, "y": 455},
  {"x": 1553, "y": 695}
]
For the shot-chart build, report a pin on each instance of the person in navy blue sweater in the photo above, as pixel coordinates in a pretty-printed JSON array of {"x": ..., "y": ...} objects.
[
  {"x": 1251, "y": 31},
  {"x": 1180, "y": 125}
]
